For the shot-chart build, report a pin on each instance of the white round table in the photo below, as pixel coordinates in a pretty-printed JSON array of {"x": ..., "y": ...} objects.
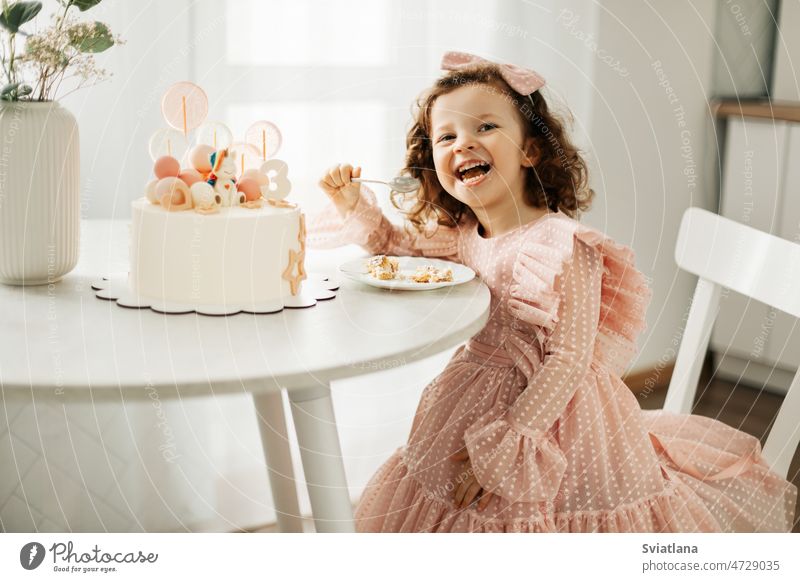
[{"x": 62, "y": 342}]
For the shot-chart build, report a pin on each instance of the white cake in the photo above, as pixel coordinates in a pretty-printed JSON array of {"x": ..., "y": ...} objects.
[
  {"x": 214, "y": 232},
  {"x": 242, "y": 256}
]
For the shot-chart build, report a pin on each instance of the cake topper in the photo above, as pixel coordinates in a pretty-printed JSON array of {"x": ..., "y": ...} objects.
[
  {"x": 246, "y": 156},
  {"x": 167, "y": 142},
  {"x": 184, "y": 106},
  {"x": 215, "y": 134},
  {"x": 221, "y": 173},
  {"x": 222, "y": 178},
  {"x": 265, "y": 137}
]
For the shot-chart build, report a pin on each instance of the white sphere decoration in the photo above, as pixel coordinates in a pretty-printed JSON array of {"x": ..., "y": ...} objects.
[
  {"x": 150, "y": 192},
  {"x": 203, "y": 195}
]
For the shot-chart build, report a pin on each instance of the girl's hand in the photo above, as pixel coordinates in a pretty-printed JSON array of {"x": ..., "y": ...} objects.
[
  {"x": 340, "y": 189},
  {"x": 469, "y": 488}
]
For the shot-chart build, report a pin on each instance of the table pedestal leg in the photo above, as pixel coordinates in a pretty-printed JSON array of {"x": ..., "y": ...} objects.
[
  {"x": 312, "y": 411},
  {"x": 272, "y": 426}
]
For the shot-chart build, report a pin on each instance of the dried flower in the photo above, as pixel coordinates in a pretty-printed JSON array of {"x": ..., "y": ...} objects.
[{"x": 64, "y": 51}]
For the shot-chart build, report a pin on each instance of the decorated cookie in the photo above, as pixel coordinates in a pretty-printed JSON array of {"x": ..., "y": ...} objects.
[{"x": 174, "y": 194}]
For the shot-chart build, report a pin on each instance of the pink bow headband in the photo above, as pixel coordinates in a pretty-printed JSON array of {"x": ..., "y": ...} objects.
[{"x": 523, "y": 81}]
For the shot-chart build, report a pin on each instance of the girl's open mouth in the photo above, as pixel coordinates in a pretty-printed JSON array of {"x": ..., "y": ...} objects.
[{"x": 473, "y": 173}]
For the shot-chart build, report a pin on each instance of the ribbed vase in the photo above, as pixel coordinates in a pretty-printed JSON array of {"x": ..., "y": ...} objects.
[{"x": 39, "y": 192}]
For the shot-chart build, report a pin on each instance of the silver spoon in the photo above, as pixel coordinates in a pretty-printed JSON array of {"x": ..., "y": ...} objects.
[{"x": 401, "y": 184}]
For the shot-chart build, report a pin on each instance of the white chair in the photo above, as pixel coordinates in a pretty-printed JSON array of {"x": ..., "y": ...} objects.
[{"x": 725, "y": 253}]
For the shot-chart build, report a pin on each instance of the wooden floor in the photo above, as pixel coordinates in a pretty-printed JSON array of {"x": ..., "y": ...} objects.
[{"x": 743, "y": 407}]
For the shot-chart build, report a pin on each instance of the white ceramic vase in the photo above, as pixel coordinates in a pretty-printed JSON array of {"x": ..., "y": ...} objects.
[{"x": 39, "y": 192}]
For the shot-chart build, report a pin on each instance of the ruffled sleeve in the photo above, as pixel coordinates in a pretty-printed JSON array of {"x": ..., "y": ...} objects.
[
  {"x": 367, "y": 226},
  {"x": 514, "y": 452},
  {"x": 538, "y": 291},
  {"x": 514, "y": 462}
]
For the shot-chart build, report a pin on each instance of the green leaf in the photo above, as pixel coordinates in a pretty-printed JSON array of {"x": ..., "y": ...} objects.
[
  {"x": 18, "y": 14},
  {"x": 84, "y": 5},
  {"x": 96, "y": 42},
  {"x": 9, "y": 88},
  {"x": 13, "y": 91}
]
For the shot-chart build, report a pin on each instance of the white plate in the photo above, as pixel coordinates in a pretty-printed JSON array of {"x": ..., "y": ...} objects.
[{"x": 357, "y": 270}]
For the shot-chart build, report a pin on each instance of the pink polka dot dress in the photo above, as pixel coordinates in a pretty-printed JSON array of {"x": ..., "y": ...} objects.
[{"x": 536, "y": 398}]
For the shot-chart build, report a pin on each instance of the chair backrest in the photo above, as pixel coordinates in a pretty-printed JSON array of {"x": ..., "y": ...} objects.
[{"x": 725, "y": 253}]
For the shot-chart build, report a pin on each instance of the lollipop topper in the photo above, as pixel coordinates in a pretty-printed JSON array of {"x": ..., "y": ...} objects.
[
  {"x": 222, "y": 172},
  {"x": 215, "y": 134},
  {"x": 167, "y": 142},
  {"x": 265, "y": 137},
  {"x": 245, "y": 155},
  {"x": 184, "y": 106}
]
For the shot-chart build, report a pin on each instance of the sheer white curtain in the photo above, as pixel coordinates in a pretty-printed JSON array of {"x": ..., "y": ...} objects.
[{"x": 337, "y": 77}]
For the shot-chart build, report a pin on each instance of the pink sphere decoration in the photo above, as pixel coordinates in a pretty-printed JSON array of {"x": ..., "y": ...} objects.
[
  {"x": 253, "y": 174},
  {"x": 190, "y": 176},
  {"x": 200, "y": 158},
  {"x": 249, "y": 188},
  {"x": 166, "y": 167}
]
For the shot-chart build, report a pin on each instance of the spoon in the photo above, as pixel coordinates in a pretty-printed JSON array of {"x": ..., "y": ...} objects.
[{"x": 401, "y": 184}]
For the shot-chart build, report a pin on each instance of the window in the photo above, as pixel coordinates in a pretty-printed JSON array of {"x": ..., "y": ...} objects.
[
  {"x": 337, "y": 78},
  {"x": 307, "y": 32}
]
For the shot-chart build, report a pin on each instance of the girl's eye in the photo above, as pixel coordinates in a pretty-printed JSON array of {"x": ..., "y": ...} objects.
[
  {"x": 488, "y": 126},
  {"x": 444, "y": 137}
]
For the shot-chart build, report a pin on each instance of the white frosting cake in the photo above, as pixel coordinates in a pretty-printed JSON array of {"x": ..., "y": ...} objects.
[
  {"x": 213, "y": 232},
  {"x": 234, "y": 256}
]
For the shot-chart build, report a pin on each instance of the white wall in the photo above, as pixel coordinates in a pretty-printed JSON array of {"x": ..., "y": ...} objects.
[
  {"x": 785, "y": 83},
  {"x": 117, "y": 117},
  {"x": 642, "y": 179}
]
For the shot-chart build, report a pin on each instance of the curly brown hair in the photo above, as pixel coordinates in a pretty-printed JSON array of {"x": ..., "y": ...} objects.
[{"x": 558, "y": 181}]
